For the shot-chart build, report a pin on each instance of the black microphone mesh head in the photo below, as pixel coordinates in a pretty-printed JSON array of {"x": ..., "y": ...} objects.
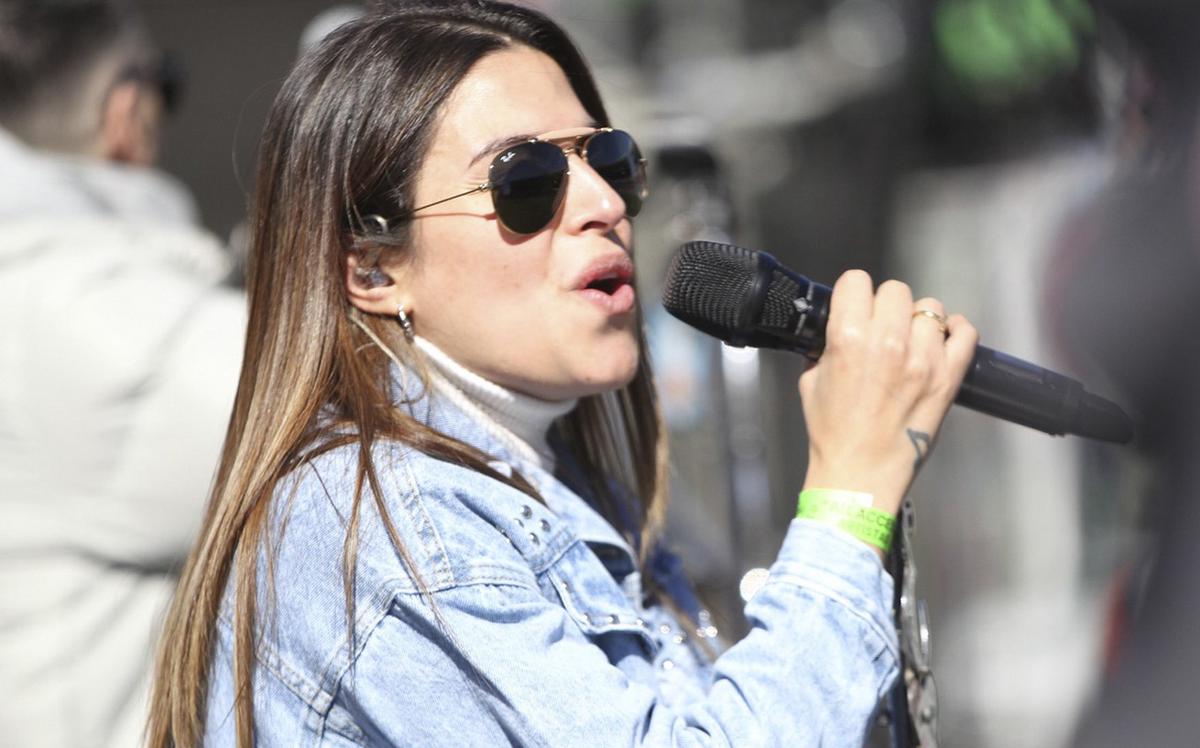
[
  {"x": 707, "y": 284},
  {"x": 779, "y": 309}
]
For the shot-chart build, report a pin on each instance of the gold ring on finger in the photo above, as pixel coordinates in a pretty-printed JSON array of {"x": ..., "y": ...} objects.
[{"x": 940, "y": 319}]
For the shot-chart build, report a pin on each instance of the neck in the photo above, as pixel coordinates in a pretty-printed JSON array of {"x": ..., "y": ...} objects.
[{"x": 519, "y": 421}]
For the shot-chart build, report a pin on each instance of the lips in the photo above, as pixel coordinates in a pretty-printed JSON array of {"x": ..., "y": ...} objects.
[{"x": 608, "y": 283}]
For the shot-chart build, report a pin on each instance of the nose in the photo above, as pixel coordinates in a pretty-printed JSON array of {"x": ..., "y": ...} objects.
[{"x": 590, "y": 203}]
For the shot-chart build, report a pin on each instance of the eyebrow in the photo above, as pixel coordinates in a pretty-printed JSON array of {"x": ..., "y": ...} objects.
[{"x": 509, "y": 141}]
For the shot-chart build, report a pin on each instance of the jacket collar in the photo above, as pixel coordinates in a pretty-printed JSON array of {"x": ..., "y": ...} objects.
[{"x": 442, "y": 414}]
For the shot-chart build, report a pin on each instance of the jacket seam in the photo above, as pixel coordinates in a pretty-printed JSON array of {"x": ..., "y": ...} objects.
[{"x": 414, "y": 502}]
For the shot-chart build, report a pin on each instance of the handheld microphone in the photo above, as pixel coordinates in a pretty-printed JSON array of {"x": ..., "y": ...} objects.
[{"x": 746, "y": 298}]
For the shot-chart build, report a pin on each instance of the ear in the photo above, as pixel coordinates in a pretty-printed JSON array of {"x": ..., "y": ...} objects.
[
  {"x": 372, "y": 290},
  {"x": 129, "y": 125}
]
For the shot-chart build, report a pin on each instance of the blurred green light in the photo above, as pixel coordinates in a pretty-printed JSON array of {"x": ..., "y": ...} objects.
[{"x": 1000, "y": 48}]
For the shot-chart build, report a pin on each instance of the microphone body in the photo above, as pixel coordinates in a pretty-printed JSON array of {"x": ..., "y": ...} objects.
[{"x": 746, "y": 298}]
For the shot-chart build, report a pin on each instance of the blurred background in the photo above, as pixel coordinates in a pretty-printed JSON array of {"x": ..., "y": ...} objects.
[{"x": 1026, "y": 161}]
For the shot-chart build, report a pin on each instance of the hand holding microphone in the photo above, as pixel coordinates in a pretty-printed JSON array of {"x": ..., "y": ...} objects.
[
  {"x": 874, "y": 401},
  {"x": 885, "y": 372}
]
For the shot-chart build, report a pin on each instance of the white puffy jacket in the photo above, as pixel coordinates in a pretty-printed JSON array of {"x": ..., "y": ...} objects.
[{"x": 119, "y": 356}]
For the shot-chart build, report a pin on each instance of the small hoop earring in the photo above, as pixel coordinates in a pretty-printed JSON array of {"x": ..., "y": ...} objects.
[{"x": 405, "y": 324}]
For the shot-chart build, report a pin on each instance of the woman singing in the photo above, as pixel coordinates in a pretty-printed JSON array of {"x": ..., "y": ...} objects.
[{"x": 436, "y": 518}]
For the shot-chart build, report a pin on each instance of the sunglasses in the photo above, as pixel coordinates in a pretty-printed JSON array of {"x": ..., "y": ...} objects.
[{"x": 528, "y": 180}]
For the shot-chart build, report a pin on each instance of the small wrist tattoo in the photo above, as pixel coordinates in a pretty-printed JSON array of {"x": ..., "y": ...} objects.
[{"x": 920, "y": 442}]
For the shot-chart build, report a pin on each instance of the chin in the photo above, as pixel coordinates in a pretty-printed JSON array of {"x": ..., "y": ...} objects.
[{"x": 612, "y": 373}]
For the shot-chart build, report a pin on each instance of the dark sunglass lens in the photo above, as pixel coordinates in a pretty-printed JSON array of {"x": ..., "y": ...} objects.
[
  {"x": 615, "y": 156},
  {"x": 527, "y": 185}
]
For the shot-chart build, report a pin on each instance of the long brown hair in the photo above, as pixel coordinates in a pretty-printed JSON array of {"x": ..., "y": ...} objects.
[{"x": 346, "y": 138}]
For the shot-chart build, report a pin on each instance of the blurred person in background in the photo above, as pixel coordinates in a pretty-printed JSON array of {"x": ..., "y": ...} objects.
[
  {"x": 1123, "y": 295},
  {"x": 118, "y": 362}
]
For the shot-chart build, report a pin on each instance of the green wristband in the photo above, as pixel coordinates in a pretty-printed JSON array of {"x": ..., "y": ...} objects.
[{"x": 850, "y": 511}]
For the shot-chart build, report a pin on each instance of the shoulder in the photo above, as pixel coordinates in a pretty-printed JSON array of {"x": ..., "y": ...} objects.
[
  {"x": 434, "y": 525},
  {"x": 88, "y": 243},
  {"x": 111, "y": 296}
]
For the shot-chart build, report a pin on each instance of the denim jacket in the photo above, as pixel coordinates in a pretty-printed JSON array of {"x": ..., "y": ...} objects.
[{"x": 533, "y": 631}]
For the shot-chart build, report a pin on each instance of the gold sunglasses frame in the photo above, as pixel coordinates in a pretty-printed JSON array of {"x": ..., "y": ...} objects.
[{"x": 568, "y": 144}]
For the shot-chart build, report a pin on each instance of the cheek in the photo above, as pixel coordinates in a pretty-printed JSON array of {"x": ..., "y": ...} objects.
[{"x": 465, "y": 276}]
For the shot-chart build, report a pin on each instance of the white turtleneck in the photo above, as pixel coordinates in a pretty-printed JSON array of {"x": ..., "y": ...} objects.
[{"x": 519, "y": 421}]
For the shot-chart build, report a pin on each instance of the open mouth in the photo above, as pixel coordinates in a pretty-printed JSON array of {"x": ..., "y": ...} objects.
[{"x": 608, "y": 284}]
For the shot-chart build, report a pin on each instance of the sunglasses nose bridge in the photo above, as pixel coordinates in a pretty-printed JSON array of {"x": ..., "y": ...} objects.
[
  {"x": 578, "y": 145},
  {"x": 578, "y": 149}
]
